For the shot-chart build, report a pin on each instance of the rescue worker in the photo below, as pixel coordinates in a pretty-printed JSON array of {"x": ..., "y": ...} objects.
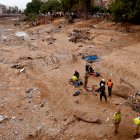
[
  {"x": 77, "y": 74},
  {"x": 137, "y": 124},
  {"x": 117, "y": 119},
  {"x": 74, "y": 79},
  {"x": 102, "y": 92},
  {"x": 91, "y": 70},
  {"x": 102, "y": 82},
  {"x": 110, "y": 85},
  {"x": 86, "y": 79},
  {"x": 87, "y": 67}
]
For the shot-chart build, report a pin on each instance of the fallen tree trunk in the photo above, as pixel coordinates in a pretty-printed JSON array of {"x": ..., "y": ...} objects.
[{"x": 91, "y": 120}]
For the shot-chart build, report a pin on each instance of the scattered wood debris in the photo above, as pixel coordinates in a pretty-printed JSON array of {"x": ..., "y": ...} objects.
[{"x": 79, "y": 36}]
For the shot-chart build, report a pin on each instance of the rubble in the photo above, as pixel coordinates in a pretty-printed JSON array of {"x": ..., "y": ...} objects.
[
  {"x": 36, "y": 133},
  {"x": 80, "y": 46},
  {"x": 3, "y": 118},
  {"x": 22, "y": 70},
  {"x": 31, "y": 91},
  {"x": 13, "y": 117},
  {"x": 50, "y": 40},
  {"x": 79, "y": 36},
  {"x": 133, "y": 101},
  {"x": 17, "y": 66},
  {"x": 40, "y": 20},
  {"x": 26, "y": 58}
]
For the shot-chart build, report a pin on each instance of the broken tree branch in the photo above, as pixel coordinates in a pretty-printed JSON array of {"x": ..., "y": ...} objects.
[{"x": 98, "y": 121}]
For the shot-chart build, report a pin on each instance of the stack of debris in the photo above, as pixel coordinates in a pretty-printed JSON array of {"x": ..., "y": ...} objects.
[
  {"x": 40, "y": 20},
  {"x": 50, "y": 40},
  {"x": 134, "y": 101},
  {"x": 79, "y": 36}
]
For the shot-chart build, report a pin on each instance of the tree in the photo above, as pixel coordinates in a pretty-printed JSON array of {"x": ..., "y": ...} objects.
[
  {"x": 64, "y": 4},
  {"x": 126, "y": 10},
  {"x": 69, "y": 5},
  {"x": 81, "y": 6},
  {"x": 54, "y": 5},
  {"x": 43, "y": 8},
  {"x": 33, "y": 7}
]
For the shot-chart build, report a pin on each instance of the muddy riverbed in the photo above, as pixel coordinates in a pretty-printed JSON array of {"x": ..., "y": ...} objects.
[{"x": 36, "y": 63}]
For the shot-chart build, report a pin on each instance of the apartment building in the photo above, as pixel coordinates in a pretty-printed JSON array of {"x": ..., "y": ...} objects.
[{"x": 2, "y": 9}]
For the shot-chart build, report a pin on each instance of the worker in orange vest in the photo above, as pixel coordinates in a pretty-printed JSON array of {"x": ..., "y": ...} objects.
[{"x": 110, "y": 86}]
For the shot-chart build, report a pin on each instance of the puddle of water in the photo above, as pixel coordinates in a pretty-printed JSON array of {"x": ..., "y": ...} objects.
[
  {"x": 21, "y": 34},
  {"x": 91, "y": 58}
]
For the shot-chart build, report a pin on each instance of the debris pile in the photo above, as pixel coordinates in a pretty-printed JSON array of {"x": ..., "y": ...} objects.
[
  {"x": 50, "y": 40},
  {"x": 134, "y": 101},
  {"x": 31, "y": 91},
  {"x": 3, "y": 118},
  {"x": 40, "y": 20},
  {"x": 79, "y": 36},
  {"x": 17, "y": 66}
]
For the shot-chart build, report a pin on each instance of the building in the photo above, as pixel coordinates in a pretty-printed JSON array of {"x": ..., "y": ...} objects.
[
  {"x": 16, "y": 9},
  {"x": 2, "y": 9}
]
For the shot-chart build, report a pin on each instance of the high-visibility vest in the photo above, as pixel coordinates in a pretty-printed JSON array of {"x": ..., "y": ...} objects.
[
  {"x": 74, "y": 78},
  {"x": 110, "y": 84},
  {"x": 137, "y": 121},
  {"x": 117, "y": 116}
]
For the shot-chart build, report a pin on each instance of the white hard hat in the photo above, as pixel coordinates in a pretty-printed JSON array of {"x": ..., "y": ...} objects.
[{"x": 103, "y": 80}]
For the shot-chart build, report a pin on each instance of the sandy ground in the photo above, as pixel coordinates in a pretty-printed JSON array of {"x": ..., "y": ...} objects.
[{"x": 48, "y": 113}]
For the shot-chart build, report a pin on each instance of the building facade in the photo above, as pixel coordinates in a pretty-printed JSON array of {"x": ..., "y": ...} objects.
[{"x": 2, "y": 9}]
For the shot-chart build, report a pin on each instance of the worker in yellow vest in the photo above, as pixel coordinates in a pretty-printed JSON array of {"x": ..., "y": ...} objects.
[
  {"x": 74, "y": 78},
  {"x": 137, "y": 124},
  {"x": 117, "y": 119}
]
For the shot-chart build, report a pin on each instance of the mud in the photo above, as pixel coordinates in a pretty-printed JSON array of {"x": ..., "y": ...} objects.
[{"x": 39, "y": 103}]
